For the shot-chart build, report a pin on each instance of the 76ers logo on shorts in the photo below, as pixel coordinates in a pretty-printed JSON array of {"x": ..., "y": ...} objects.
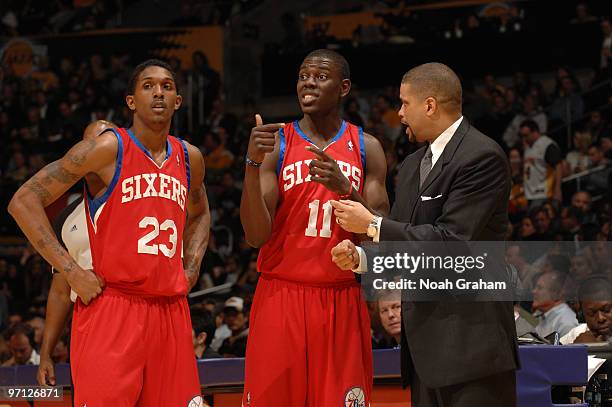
[
  {"x": 355, "y": 397},
  {"x": 197, "y": 401}
]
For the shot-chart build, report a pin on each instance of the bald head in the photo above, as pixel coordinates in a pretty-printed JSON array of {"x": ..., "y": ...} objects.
[{"x": 438, "y": 81}]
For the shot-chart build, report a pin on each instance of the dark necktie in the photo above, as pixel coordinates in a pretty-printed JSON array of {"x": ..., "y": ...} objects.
[{"x": 425, "y": 166}]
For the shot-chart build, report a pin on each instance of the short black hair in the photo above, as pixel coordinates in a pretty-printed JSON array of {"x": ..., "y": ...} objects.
[
  {"x": 595, "y": 288},
  {"x": 437, "y": 80},
  {"x": 203, "y": 321},
  {"x": 530, "y": 124},
  {"x": 144, "y": 65},
  {"x": 333, "y": 56}
]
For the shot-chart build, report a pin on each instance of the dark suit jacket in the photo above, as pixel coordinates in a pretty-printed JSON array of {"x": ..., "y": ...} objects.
[{"x": 455, "y": 341}]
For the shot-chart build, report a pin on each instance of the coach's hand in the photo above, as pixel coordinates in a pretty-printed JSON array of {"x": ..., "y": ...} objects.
[
  {"x": 325, "y": 171},
  {"x": 85, "y": 283},
  {"x": 46, "y": 372},
  {"x": 345, "y": 255},
  {"x": 352, "y": 216},
  {"x": 262, "y": 139}
]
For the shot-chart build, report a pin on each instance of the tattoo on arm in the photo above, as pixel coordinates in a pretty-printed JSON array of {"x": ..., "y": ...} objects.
[
  {"x": 47, "y": 241},
  {"x": 79, "y": 156},
  {"x": 39, "y": 190}
]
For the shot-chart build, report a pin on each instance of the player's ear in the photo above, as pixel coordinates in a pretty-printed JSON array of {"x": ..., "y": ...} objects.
[
  {"x": 201, "y": 339},
  {"x": 431, "y": 106},
  {"x": 129, "y": 100},
  {"x": 345, "y": 87},
  {"x": 178, "y": 102}
]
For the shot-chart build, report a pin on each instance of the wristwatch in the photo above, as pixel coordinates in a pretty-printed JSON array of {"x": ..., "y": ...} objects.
[{"x": 373, "y": 226}]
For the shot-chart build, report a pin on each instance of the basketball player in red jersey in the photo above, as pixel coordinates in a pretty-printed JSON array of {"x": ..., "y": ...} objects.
[
  {"x": 131, "y": 335},
  {"x": 71, "y": 230},
  {"x": 309, "y": 339}
]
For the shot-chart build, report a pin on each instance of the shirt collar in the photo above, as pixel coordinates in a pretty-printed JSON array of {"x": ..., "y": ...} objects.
[{"x": 437, "y": 146}]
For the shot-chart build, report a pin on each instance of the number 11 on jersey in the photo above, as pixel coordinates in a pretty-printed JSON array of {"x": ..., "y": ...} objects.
[{"x": 312, "y": 230}]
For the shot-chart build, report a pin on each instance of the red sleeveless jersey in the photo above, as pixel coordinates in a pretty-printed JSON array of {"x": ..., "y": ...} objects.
[
  {"x": 304, "y": 229},
  {"x": 136, "y": 226}
]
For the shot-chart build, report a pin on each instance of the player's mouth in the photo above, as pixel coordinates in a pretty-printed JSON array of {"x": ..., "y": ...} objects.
[
  {"x": 308, "y": 98},
  {"x": 159, "y": 106}
]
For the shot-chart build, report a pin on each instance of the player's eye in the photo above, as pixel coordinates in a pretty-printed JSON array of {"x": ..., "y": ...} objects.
[
  {"x": 147, "y": 85},
  {"x": 168, "y": 86},
  {"x": 303, "y": 77},
  {"x": 322, "y": 77}
]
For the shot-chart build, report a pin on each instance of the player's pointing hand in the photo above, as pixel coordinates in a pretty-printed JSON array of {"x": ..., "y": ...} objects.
[
  {"x": 325, "y": 170},
  {"x": 262, "y": 139}
]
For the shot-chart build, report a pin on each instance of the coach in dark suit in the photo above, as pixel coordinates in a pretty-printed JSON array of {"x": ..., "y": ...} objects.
[{"x": 454, "y": 188}]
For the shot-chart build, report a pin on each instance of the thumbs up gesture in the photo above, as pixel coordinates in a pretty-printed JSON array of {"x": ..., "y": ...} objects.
[{"x": 262, "y": 139}]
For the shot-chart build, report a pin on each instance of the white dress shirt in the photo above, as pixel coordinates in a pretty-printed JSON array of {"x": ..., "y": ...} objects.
[{"x": 437, "y": 148}]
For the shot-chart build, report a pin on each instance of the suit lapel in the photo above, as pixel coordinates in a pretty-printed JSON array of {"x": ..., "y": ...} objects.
[
  {"x": 412, "y": 182},
  {"x": 447, "y": 155}
]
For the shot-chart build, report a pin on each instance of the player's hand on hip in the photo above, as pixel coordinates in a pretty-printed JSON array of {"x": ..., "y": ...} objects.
[
  {"x": 45, "y": 376},
  {"x": 85, "y": 283},
  {"x": 262, "y": 139},
  {"x": 352, "y": 216},
  {"x": 325, "y": 171},
  {"x": 345, "y": 255}
]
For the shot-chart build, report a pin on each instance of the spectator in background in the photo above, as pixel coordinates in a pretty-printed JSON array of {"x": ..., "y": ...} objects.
[
  {"x": 235, "y": 319},
  {"x": 530, "y": 111},
  {"x": 389, "y": 308},
  {"x": 497, "y": 118},
  {"x": 21, "y": 346},
  {"x": 553, "y": 313},
  {"x": 570, "y": 223},
  {"x": 61, "y": 353},
  {"x": 542, "y": 221},
  {"x": 581, "y": 265},
  {"x": 515, "y": 255},
  {"x": 583, "y": 15},
  {"x": 578, "y": 159},
  {"x": 38, "y": 325},
  {"x": 217, "y": 157},
  {"x": 248, "y": 280},
  {"x": 208, "y": 83},
  {"x": 597, "y": 125},
  {"x": 542, "y": 165},
  {"x": 568, "y": 104},
  {"x": 527, "y": 230},
  {"x": 599, "y": 181},
  {"x": 389, "y": 117},
  {"x": 203, "y": 331},
  {"x": 595, "y": 296},
  {"x": 518, "y": 202},
  {"x": 582, "y": 200},
  {"x": 352, "y": 113}
]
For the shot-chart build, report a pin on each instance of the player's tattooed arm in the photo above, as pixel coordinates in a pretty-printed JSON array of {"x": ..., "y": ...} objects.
[
  {"x": 28, "y": 204},
  {"x": 197, "y": 228}
]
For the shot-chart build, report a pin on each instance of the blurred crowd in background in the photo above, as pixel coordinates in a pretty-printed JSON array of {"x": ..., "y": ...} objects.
[{"x": 43, "y": 114}]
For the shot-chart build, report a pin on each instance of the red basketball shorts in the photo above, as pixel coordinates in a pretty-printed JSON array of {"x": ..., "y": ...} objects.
[
  {"x": 131, "y": 351},
  {"x": 308, "y": 346}
]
